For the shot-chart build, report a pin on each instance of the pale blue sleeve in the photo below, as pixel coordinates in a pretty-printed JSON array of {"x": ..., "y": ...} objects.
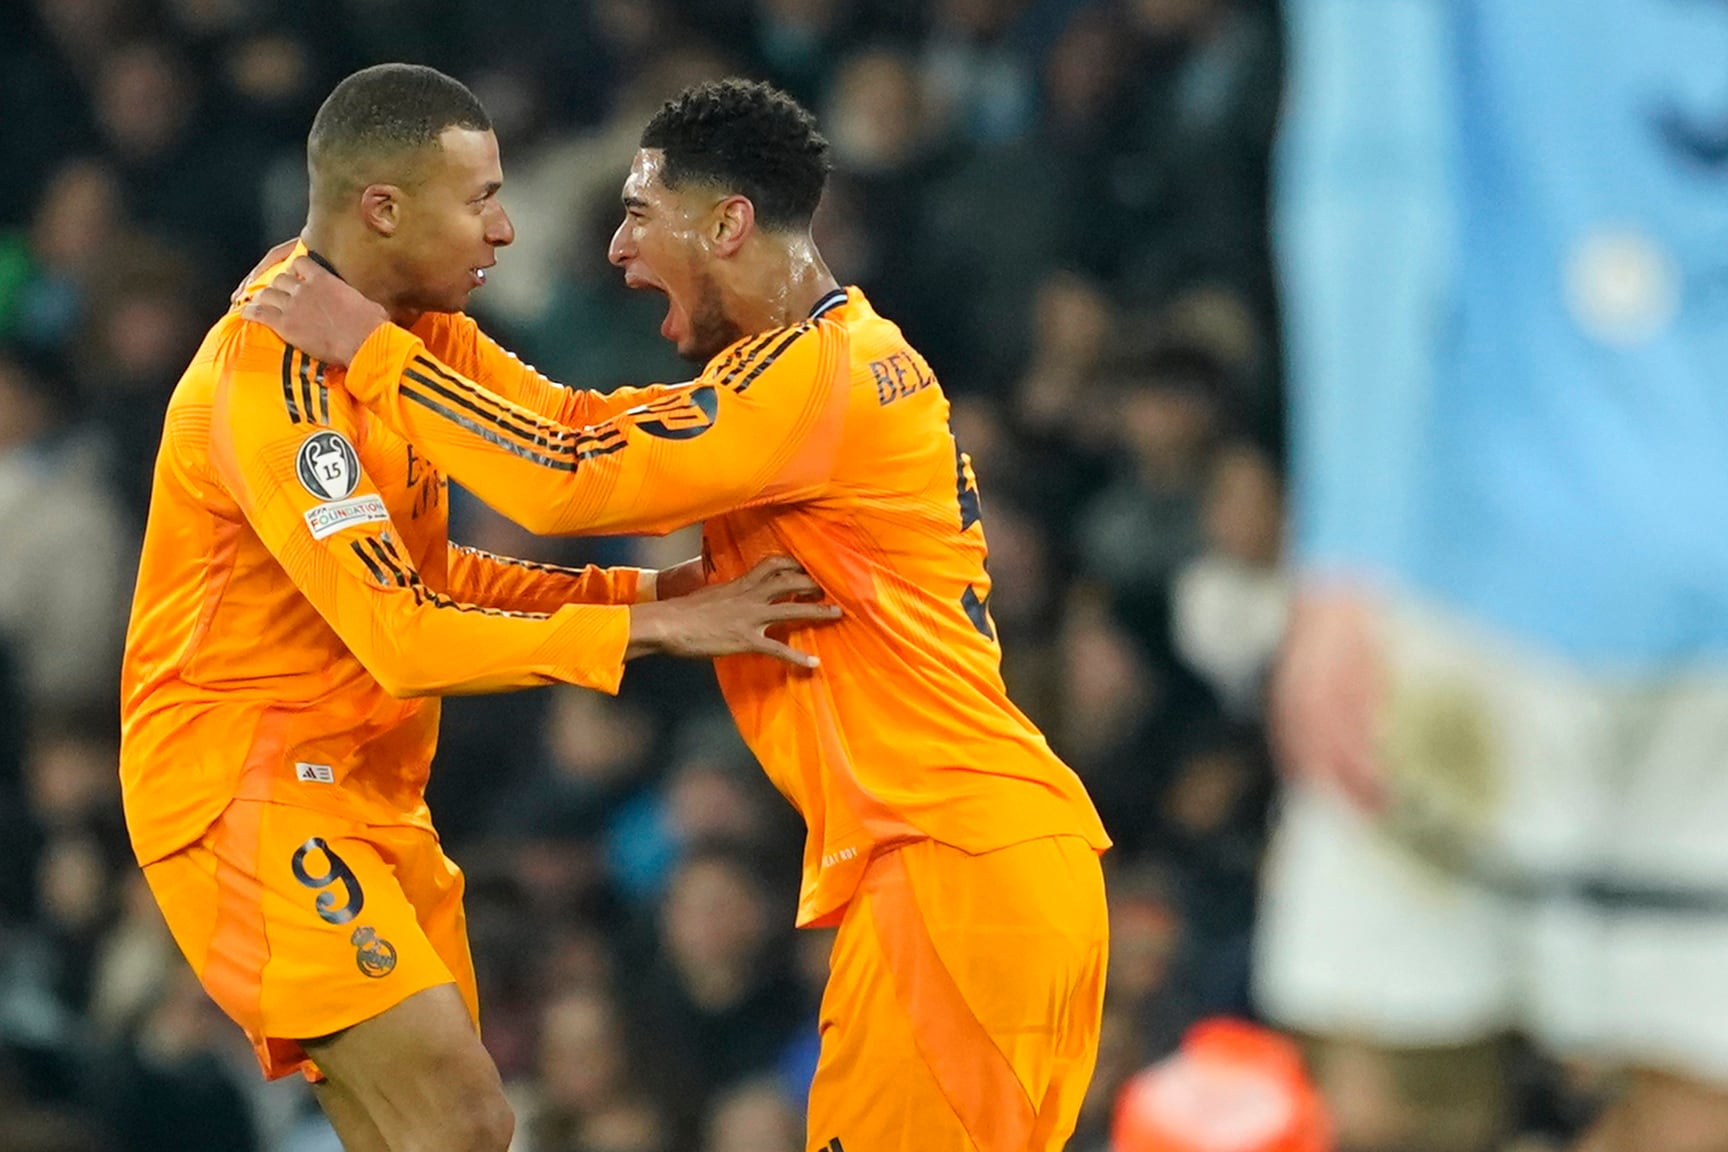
[{"x": 1365, "y": 237}]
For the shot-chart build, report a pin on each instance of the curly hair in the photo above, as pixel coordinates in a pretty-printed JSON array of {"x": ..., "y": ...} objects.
[{"x": 746, "y": 137}]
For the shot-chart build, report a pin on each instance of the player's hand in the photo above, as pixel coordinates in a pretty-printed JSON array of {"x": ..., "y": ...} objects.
[
  {"x": 271, "y": 258},
  {"x": 1328, "y": 691},
  {"x": 316, "y": 312},
  {"x": 680, "y": 579},
  {"x": 733, "y": 618}
]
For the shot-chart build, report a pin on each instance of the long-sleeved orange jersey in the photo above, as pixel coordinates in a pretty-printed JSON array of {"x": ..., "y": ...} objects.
[
  {"x": 827, "y": 440},
  {"x": 298, "y": 597}
]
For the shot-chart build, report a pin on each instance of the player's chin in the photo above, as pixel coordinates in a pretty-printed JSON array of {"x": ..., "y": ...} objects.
[
  {"x": 455, "y": 300},
  {"x": 698, "y": 351}
]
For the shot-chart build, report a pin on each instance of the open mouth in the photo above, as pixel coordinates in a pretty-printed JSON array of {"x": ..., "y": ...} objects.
[
  {"x": 640, "y": 283},
  {"x": 479, "y": 275}
]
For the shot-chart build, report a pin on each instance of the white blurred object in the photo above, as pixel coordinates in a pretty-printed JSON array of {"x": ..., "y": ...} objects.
[{"x": 1227, "y": 619}]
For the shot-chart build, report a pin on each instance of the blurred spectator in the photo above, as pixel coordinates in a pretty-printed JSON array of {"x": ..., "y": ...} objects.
[
  {"x": 1032, "y": 182},
  {"x": 1211, "y": 823},
  {"x": 142, "y": 329},
  {"x": 62, "y": 590},
  {"x": 1140, "y": 529},
  {"x": 1149, "y": 956},
  {"x": 591, "y": 1095},
  {"x": 46, "y": 272},
  {"x": 981, "y": 63},
  {"x": 148, "y": 106},
  {"x": 754, "y": 1117},
  {"x": 1229, "y": 604},
  {"x": 796, "y": 42},
  {"x": 51, "y": 51},
  {"x": 596, "y": 757},
  {"x": 720, "y": 995},
  {"x": 875, "y": 222},
  {"x": 1193, "y": 183},
  {"x": 20, "y": 832},
  {"x": 175, "y": 1089}
]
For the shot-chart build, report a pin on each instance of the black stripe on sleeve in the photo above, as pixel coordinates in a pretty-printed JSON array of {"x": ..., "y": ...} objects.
[
  {"x": 761, "y": 365},
  {"x": 323, "y": 395},
  {"x": 550, "y": 439},
  {"x": 424, "y": 595},
  {"x": 487, "y": 434},
  {"x": 377, "y": 572},
  {"x": 306, "y": 386},
  {"x": 402, "y": 580},
  {"x": 743, "y": 358},
  {"x": 470, "y": 396},
  {"x": 396, "y": 554},
  {"x": 288, "y": 382}
]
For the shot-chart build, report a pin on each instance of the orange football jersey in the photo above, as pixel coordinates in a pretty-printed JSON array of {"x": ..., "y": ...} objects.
[
  {"x": 298, "y": 600},
  {"x": 827, "y": 440}
]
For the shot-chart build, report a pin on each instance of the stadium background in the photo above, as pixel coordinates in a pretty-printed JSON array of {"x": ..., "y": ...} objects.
[{"x": 1063, "y": 204}]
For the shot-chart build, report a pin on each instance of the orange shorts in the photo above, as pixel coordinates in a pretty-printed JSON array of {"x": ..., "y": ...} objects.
[
  {"x": 964, "y": 1000},
  {"x": 300, "y": 924}
]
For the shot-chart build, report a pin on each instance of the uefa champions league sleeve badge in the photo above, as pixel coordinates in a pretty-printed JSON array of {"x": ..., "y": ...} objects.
[{"x": 328, "y": 466}]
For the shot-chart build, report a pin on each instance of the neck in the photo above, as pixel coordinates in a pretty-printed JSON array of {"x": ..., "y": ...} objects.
[
  {"x": 780, "y": 282},
  {"x": 358, "y": 258}
]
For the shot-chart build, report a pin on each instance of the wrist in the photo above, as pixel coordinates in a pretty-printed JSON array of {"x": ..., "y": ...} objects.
[{"x": 647, "y": 629}]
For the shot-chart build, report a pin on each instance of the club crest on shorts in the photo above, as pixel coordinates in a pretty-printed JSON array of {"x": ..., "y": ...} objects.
[
  {"x": 375, "y": 955},
  {"x": 328, "y": 466}
]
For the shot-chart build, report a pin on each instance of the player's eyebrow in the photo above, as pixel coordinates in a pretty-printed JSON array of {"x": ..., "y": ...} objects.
[
  {"x": 491, "y": 187},
  {"x": 635, "y": 202}
]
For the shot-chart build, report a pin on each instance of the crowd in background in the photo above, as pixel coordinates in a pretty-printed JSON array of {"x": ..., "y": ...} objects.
[{"x": 1062, "y": 202}]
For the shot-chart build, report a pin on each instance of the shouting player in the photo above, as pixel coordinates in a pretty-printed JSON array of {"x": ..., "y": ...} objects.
[
  {"x": 958, "y": 855},
  {"x": 297, "y": 603}
]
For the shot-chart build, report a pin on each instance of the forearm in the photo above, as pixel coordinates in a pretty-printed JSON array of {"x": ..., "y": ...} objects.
[
  {"x": 527, "y": 586},
  {"x": 700, "y": 450}
]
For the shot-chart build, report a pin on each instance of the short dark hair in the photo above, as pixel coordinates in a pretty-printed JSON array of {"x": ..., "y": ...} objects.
[
  {"x": 384, "y": 111},
  {"x": 749, "y": 138}
]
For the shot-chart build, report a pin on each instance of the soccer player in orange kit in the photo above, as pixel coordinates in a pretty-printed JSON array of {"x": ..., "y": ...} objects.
[
  {"x": 958, "y": 855},
  {"x": 298, "y": 601}
]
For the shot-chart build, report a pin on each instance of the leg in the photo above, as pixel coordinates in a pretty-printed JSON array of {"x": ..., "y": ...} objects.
[
  {"x": 348, "y": 1117},
  {"x": 1659, "y": 984},
  {"x": 421, "y": 1076},
  {"x": 1662, "y": 1112},
  {"x": 1453, "y": 1099},
  {"x": 1399, "y": 974}
]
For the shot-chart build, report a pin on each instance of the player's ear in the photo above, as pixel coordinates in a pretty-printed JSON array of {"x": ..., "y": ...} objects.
[
  {"x": 734, "y": 220},
  {"x": 381, "y": 208}
]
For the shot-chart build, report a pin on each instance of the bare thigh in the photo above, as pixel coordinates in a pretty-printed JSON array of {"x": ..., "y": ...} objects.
[
  {"x": 1662, "y": 1112},
  {"x": 419, "y": 1074},
  {"x": 348, "y": 1117}
]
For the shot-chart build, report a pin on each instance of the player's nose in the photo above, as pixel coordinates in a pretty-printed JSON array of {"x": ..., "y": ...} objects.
[
  {"x": 620, "y": 251},
  {"x": 502, "y": 232}
]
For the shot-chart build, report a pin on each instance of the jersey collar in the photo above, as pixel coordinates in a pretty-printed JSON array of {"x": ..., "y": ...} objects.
[{"x": 828, "y": 302}]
